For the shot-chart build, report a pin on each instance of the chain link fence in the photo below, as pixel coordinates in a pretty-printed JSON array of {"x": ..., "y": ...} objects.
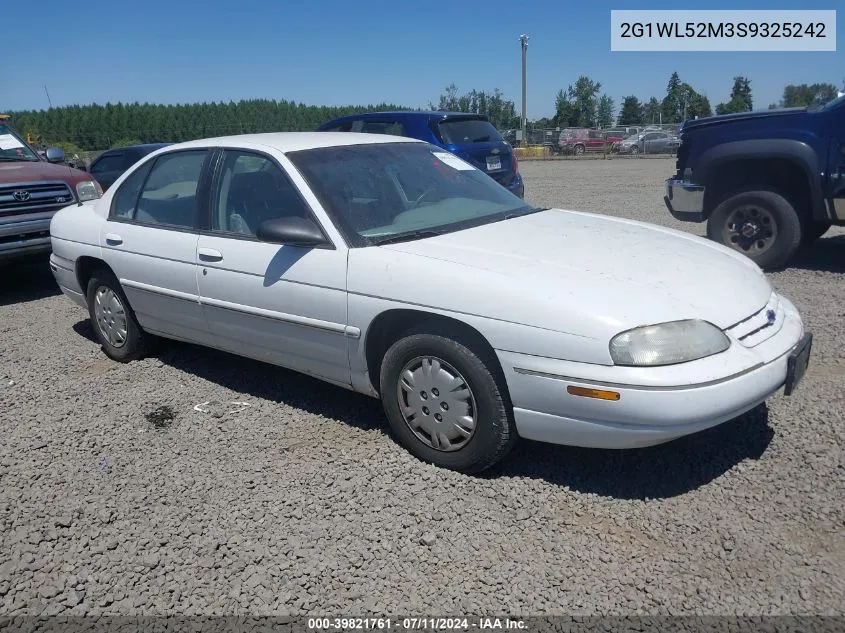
[{"x": 634, "y": 141}]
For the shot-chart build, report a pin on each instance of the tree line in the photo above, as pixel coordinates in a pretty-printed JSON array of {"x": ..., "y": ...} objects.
[{"x": 581, "y": 104}]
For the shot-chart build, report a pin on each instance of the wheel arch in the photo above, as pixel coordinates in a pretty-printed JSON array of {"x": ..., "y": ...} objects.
[
  {"x": 388, "y": 326},
  {"x": 85, "y": 267},
  {"x": 788, "y": 166}
]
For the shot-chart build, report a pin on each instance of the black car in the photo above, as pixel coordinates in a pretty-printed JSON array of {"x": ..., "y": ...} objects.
[{"x": 111, "y": 164}]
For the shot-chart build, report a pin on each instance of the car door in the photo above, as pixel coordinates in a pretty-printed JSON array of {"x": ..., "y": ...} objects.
[
  {"x": 150, "y": 242},
  {"x": 282, "y": 304}
]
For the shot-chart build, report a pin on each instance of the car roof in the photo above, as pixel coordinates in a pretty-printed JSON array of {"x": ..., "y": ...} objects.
[
  {"x": 142, "y": 147},
  {"x": 294, "y": 141},
  {"x": 410, "y": 114}
]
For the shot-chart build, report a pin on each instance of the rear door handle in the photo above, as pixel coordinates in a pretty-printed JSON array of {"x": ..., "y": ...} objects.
[
  {"x": 114, "y": 239},
  {"x": 209, "y": 255}
]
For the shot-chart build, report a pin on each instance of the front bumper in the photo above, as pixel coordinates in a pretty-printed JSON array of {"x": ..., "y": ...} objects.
[
  {"x": 684, "y": 200},
  {"x": 19, "y": 240},
  {"x": 666, "y": 403}
]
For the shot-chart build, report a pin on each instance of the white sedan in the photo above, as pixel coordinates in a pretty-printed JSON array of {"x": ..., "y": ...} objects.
[{"x": 392, "y": 268}]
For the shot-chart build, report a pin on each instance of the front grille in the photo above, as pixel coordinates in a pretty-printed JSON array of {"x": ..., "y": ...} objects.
[
  {"x": 34, "y": 197},
  {"x": 761, "y": 325}
]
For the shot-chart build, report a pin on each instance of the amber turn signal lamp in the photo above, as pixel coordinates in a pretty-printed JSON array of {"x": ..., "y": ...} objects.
[{"x": 593, "y": 393}]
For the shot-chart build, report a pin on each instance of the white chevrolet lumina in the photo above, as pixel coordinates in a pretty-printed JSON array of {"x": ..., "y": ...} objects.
[{"x": 392, "y": 268}]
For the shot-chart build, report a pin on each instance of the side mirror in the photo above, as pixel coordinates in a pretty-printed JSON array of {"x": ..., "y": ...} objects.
[
  {"x": 291, "y": 231},
  {"x": 55, "y": 154}
]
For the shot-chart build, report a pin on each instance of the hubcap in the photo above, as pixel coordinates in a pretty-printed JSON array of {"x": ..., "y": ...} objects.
[
  {"x": 110, "y": 316},
  {"x": 751, "y": 230},
  {"x": 437, "y": 403}
]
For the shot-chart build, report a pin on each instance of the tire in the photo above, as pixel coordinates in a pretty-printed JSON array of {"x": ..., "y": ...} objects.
[
  {"x": 494, "y": 432},
  {"x": 132, "y": 345},
  {"x": 579, "y": 150},
  {"x": 776, "y": 220},
  {"x": 635, "y": 150},
  {"x": 813, "y": 231}
]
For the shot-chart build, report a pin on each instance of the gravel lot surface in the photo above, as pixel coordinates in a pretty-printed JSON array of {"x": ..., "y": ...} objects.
[{"x": 300, "y": 502}]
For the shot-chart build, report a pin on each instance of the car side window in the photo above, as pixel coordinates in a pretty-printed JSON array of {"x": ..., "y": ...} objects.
[
  {"x": 394, "y": 128},
  {"x": 124, "y": 201},
  {"x": 169, "y": 195},
  {"x": 252, "y": 188},
  {"x": 340, "y": 127},
  {"x": 111, "y": 162}
]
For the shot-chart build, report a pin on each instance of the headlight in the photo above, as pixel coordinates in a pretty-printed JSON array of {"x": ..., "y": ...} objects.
[
  {"x": 667, "y": 343},
  {"x": 88, "y": 190}
]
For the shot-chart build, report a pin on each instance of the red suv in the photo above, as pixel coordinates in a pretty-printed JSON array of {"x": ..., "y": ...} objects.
[
  {"x": 32, "y": 189},
  {"x": 580, "y": 140}
]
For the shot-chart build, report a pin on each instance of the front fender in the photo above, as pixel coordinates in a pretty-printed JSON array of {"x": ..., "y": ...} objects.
[{"x": 798, "y": 152}]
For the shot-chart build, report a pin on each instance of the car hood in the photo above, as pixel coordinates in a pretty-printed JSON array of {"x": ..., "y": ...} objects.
[
  {"x": 567, "y": 271},
  {"x": 735, "y": 117},
  {"x": 28, "y": 171}
]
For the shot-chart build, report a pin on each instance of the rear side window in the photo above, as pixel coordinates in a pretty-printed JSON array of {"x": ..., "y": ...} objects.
[
  {"x": 339, "y": 127},
  {"x": 461, "y": 131},
  {"x": 112, "y": 162},
  {"x": 383, "y": 127},
  {"x": 124, "y": 201},
  {"x": 169, "y": 197}
]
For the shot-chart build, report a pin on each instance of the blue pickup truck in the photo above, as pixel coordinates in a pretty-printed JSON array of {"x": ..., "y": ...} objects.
[{"x": 766, "y": 182}]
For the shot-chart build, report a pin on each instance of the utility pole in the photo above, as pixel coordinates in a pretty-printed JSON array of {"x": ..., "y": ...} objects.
[{"x": 524, "y": 123}]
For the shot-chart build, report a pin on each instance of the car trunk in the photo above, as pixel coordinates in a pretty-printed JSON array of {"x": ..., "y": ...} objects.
[{"x": 478, "y": 142}]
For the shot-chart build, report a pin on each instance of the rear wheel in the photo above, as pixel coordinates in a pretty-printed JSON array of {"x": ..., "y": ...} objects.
[
  {"x": 446, "y": 401},
  {"x": 761, "y": 224},
  {"x": 115, "y": 326}
]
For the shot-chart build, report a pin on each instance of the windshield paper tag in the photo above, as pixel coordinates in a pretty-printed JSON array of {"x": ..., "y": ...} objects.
[
  {"x": 453, "y": 161},
  {"x": 7, "y": 141}
]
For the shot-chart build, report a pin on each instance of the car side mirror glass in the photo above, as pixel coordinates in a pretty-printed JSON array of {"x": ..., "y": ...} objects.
[
  {"x": 291, "y": 231},
  {"x": 55, "y": 154}
]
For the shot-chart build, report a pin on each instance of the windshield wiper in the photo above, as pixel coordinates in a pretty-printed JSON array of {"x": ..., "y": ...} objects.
[
  {"x": 406, "y": 237},
  {"x": 481, "y": 139}
]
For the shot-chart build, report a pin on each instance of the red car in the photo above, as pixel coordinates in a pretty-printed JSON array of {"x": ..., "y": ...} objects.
[{"x": 582, "y": 140}]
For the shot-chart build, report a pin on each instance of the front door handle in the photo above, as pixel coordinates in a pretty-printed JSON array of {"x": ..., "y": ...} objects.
[
  {"x": 114, "y": 239},
  {"x": 209, "y": 255}
]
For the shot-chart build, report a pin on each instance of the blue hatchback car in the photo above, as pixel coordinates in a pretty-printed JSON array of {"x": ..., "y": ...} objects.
[{"x": 470, "y": 136}]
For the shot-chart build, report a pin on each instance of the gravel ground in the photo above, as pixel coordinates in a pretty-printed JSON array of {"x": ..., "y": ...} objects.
[{"x": 300, "y": 502}]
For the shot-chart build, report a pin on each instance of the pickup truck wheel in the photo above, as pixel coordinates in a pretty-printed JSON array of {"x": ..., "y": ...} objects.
[
  {"x": 446, "y": 402},
  {"x": 115, "y": 326},
  {"x": 761, "y": 224}
]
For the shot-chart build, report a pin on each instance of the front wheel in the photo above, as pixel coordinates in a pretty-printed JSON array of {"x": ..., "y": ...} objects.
[
  {"x": 446, "y": 402},
  {"x": 761, "y": 224},
  {"x": 635, "y": 149},
  {"x": 579, "y": 150}
]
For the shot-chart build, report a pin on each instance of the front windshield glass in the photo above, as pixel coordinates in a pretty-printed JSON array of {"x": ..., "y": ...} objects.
[
  {"x": 385, "y": 191},
  {"x": 833, "y": 103},
  {"x": 12, "y": 148}
]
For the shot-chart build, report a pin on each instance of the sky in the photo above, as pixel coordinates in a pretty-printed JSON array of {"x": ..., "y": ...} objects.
[{"x": 332, "y": 52}]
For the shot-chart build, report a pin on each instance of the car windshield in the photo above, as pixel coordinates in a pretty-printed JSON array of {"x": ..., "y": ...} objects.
[
  {"x": 462, "y": 131},
  {"x": 392, "y": 191},
  {"x": 12, "y": 148}
]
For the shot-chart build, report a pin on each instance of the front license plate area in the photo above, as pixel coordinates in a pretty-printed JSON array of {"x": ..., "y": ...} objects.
[
  {"x": 796, "y": 364},
  {"x": 494, "y": 163}
]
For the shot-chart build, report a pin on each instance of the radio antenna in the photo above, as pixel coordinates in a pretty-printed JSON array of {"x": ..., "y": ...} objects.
[{"x": 48, "y": 96}]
